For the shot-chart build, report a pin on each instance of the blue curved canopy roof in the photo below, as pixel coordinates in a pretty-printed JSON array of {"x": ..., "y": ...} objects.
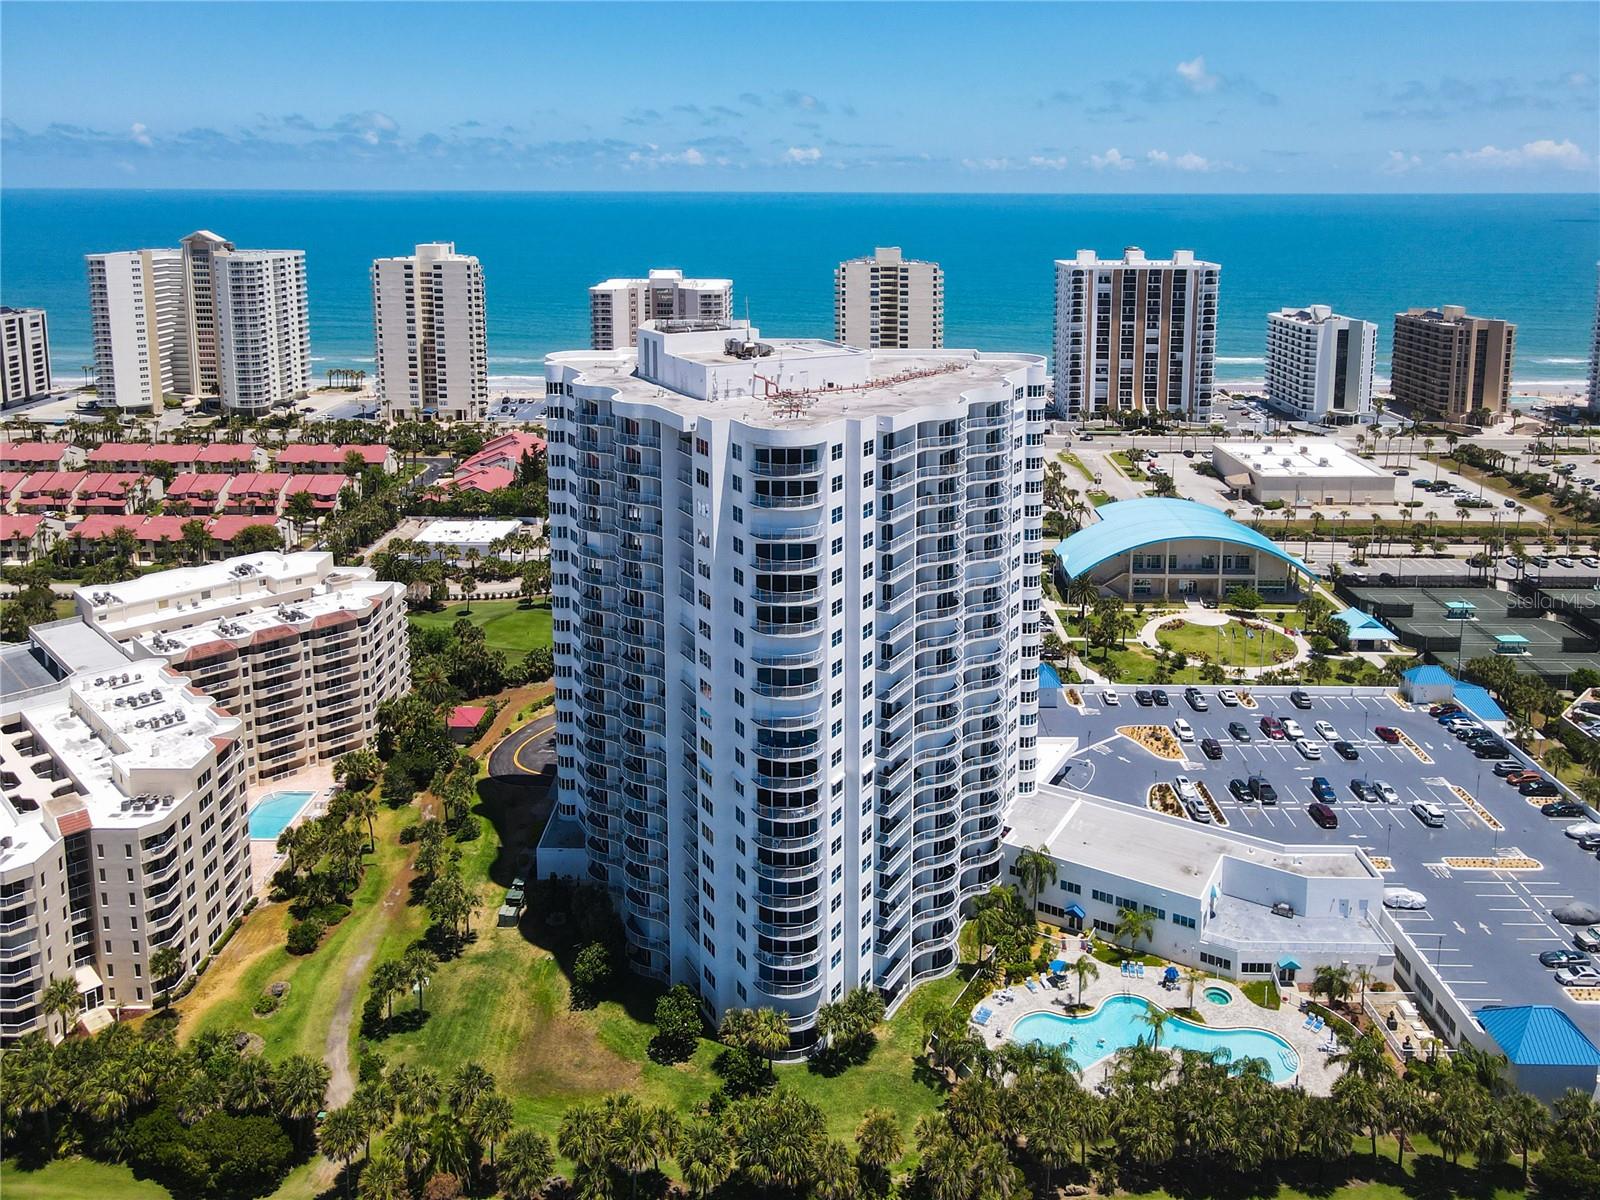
[{"x": 1133, "y": 524}]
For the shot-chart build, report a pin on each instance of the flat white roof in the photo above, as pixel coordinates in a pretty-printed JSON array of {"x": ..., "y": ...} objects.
[
  {"x": 1137, "y": 844},
  {"x": 159, "y": 585},
  {"x": 1321, "y": 458},
  {"x": 466, "y": 533}
]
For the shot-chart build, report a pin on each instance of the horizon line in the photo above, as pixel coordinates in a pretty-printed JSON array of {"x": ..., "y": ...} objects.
[{"x": 379, "y": 191}]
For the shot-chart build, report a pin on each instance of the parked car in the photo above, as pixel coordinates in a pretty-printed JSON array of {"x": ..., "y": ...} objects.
[
  {"x": 1273, "y": 728},
  {"x": 1196, "y": 699},
  {"x": 1539, "y": 560},
  {"x": 1211, "y": 748},
  {"x": 1362, "y": 790},
  {"x": 1509, "y": 771},
  {"x": 1229, "y": 697},
  {"x": 1565, "y": 958},
  {"x": 1144, "y": 697},
  {"x": 1186, "y": 789},
  {"x": 1445, "y": 709},
  {"x": 1346, "y": 751},
  {"x": 1399, "y": 897},
  {"x": 1491, "y": 750},
  {"x": 1429, "y": 813},
  {"x": 1292, "y": 730},
  {"x": 1542, "y": 787},
  {"x": 1309, "y": 751},
  {"x": 1590, "y": 842},
  {"x": 1588, "y": 939},
  {"x": 1512, "y": 560},
  {"x": 1161, "y": 697},
  {"x": 1300, "y": 699},
  {"x": 1387, "y": 734},
  {"x": 1578, "y": 977},
  {"x": 1322, "y": 789},
  {"x": 1264, "y": 791},
  {"x": 1385, "y": 793},
  {"x": 1241, "y": 791},
  {"x": 1183, "y": 729},
  {"x": 1564, "y": 561},
  {"x": 1239, "y": 731},
  {"x": 1326, "y": 731},
  {"x": 1557, "y": 808},
  {"x": 1590, "y": 561},
  {"x": 1323, "y": 816}
]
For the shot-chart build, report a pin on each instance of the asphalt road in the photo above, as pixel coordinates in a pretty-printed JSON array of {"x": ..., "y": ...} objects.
[{"x": 522, "y": 757}]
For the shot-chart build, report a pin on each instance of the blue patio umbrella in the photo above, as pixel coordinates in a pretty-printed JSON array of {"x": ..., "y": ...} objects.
[
  {"x": 1170, "y": 975},
  {"x": 1058, "y": 965}
]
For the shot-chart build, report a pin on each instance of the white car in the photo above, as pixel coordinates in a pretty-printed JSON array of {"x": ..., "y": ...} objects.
[
  {"x": 1590, "y": 561},
  {"x": 1185, "y": 788},
  {"x": 1578, "y": 977},
  {"x": 1308, "y": 750},
  {"x": 1385, "y": 793},
  {"x": 1399, "y": 897},
  {"x": 1229, "y": 697},
  {"x": 1111, "y": 698},
  {"x": 1292, "y": 730},
  {"x": 1183, "y": 729},
  {"x": 1564, "y": 561},
  {"x": 1429, "y": 813},
  {"x": 1582, "y": 829},
  {"x": 1326, "y": 731}
]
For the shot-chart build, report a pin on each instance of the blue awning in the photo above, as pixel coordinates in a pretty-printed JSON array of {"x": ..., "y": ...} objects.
[
  {"x": 1058, "y": 965},
  {"x": 1288, "y": 964},
  {"x": 1075, "y": 910}
]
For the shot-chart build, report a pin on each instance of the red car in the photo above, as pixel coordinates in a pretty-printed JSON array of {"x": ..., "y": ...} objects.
[
  {"x": 1273, "y": 728},
  {"x": 1387, "y": 734},
  {"x": 1323, "y": 815}
]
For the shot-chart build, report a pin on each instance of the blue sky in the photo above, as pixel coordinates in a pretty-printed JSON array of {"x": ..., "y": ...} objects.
[{"x": 1368, "y": 97}]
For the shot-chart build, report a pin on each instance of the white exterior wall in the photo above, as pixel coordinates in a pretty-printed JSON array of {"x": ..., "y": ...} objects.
[
  {"x": 889, "y": 302},
  {"x": 1135, "y": 334},
  {"x": 1594, "y": 352},
  {"x": 25, "y": 340},
  {"x": 792, "y": 799},
  {"x": 430, "y": 334},
  {"x": 1307, "y": 377},
  {"x": 617, "y": 307},
  {"x": 263, "y": 332},
  {"x": 136, "y": 318}
]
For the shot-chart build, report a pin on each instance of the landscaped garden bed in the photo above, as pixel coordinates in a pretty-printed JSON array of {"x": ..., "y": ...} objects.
[
  {"x": 1157, "y": 739},
  {"x": 1471, "y": 802}
]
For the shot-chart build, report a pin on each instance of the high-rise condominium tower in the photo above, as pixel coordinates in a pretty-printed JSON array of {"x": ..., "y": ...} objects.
[
  {"x": 1594, "y": 352},
  {"x": 796, "y": 633},
  {"x": 888, "y": 302},
  {"x": 203, "y": 320},
  {"x": 618, "y": 307},
  {"x": 428, "y": 323},
  {"x": 25, "y": 339},
  {"x": 1135, "y": 335},
  {"x": 1449, "y": 366},
  {"x": 1319, "y": 364}
]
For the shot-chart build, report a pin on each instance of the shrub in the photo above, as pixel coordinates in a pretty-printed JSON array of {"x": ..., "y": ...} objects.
[
  {"x": 304, "y": 936},
  {"x": 220, "y": 1154},
  {"x": 591, "y": 971},
  {"x": 265, "y": 1005},
  {"x": 678, "y": 1026},
  {"x": 1566, "y": 1174}
]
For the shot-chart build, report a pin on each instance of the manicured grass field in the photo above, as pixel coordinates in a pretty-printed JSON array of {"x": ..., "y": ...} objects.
[
  {"x": 1227, "y": 644},
  {"x": 75, "y": 1179},
  {"x": 1076, "y": 463},
  {"x": 507, "y": 625}
]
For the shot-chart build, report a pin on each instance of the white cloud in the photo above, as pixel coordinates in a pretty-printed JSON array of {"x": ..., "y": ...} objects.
[
  {"x": 1194, "y": 74},
  {"x": 140, "y": 134},
  {"x": 1113, "y": 159},
  {"x": 1193, "y": 162},
  {"x": 986, "y": 164},
  {"x": 1545, "y": 152},
  {"x": 651, "y": 156},
  {"x": 802, "y": 154},
  {"x": 1048, "y": 164},
  {"x": 1399, "y": 162},
  {"x": 1159, "y": 157},
  {"x": 1187, "y": 161}
]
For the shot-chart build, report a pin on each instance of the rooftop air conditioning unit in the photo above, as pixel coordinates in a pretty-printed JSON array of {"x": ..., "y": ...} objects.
[{"x": 1283, "y": 909}]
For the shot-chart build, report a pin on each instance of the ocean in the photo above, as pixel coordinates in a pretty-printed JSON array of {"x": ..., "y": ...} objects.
[{"x": 1530, "y": 259}]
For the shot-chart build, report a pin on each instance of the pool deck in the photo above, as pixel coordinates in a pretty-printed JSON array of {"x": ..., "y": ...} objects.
[
  {"x": 1315, "y": 1074},
  {"x": 264, "y": 856}
]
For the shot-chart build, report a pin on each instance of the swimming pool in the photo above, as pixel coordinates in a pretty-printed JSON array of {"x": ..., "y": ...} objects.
[
  {"x": 1218, "y": 995},
  {"x": 274, "y": 811},
  {"x": 1116, "y": 1023}
]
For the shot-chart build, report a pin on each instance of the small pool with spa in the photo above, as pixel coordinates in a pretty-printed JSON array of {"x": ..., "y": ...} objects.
[{"x": 1219, "y": 995}]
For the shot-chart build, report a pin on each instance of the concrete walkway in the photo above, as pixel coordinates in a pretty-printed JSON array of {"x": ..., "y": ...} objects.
[{"x": 1315, "y": 1075}]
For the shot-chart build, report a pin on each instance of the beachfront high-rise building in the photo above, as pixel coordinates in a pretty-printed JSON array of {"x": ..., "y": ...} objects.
[
  {"x": 25, "y": 339},
  {"x": 617, "y": 307},
  {"x": 431, "y": 344},
  {"x": 796, "y": 598},
  {"x": 1594, "y": 351},
  {"x": 888, "y": 302},
  {"x": 1449, "y": 366},
  {"x": 304, "y": 649},
  {"x": 122, "y": 825},
  {"x": 1135, "y": 335},
  {"x": 1319, "y": 364},
  {"x": 205, "y": 320}
]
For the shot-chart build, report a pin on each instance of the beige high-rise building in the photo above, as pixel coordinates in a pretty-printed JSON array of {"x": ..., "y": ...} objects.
[
  {"x": 888, "y": 302},
  {"x": 617, "y": 307},
  {"x": 1135, "y": 334},
  {"x": 137, "y": 321},
  {"x": 1449, "y": 365},
  {"x": 196, "y": 373},
  {"x": 429, "y": 328}
]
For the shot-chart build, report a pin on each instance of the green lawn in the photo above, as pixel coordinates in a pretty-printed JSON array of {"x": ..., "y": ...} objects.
[
  {"x": 1125, "y": 465},
  {"x": 507, "y": 625},
  {"x": 1076, "y": 463},
  {"x": 74, "y": 1179},
  {"x": 1226, "y": 644}
]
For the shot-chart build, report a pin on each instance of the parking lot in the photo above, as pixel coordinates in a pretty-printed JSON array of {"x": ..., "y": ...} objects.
[{"x": 1482, "y": 928}]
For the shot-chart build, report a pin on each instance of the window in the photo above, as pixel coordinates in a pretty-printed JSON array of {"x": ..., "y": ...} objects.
[{"x": 1185, "y": 922}]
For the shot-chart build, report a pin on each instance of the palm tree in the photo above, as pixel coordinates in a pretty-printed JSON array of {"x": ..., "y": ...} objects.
[
  {"x": 1035, "y": 870},
  {"x": 416, "y": 1090},
  {"x": 341, "y": 1138},
  {"x": 1155, "y": 1018},
  {"x": 947, "y": 1169},
  {"x": 834, "y": 1174},
  {"x": 1086, "y": 968},
  {"x": 1526, "y": 1125},
  {"x": 879, "y": 1144},
  {"x": 165, "y": 965},
  {"x": 61, "y": 999},
  {"x": 408, "y": 1139},
  {"x": 300, "y": 1086},
  {"x": 490, "y": 1120},
  {"x": 525, "y": 1167},
  {"x": 447, "y": 1146},
  {"x": 384, "y": 1178},
  {"x": 1192, "y": 976},
  {"x": 705, "y": 1157},
  {"x": 469, "y": 1082},
  {"x": 1333, "y": 982},
  {"x": 250, "y": 1085},
  {"x": 1132, "y": 924},
  {"x": 419, "y": 964}
]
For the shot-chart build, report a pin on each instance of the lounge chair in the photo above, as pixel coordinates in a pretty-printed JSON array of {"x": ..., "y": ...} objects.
[
  {"x": 1317, "y": 1028},
  {"x": 981, "y": 1017},
  {"x": 1032, "y": 986},
  {"x": 1311, "y": 1021},
  {"x": 1141, "y": 970}
]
